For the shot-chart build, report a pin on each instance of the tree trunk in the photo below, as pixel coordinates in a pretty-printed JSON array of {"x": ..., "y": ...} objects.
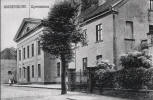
[{"x": 63, "y": 83}]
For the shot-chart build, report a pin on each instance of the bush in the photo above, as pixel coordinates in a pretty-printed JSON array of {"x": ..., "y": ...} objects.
[
  {"x": 135, "y": 73},
  {"x": 131, "y": 78},
  {"x": 135, "y": 60}
]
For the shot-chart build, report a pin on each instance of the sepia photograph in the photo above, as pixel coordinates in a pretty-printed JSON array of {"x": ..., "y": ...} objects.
[{"x": 76, "y": 50}]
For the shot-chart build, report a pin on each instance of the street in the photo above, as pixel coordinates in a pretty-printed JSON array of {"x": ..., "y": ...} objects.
[{"x": 25, "y": 93}]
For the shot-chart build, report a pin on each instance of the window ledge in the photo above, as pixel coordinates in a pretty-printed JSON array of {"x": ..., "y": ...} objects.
[
  {"x": 128, "y": 39},
  {"x": 99, "y": 41}
]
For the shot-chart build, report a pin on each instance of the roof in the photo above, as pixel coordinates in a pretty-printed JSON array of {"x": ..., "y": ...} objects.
[
  {"x": 8, "y": 53},
  {"x": 96, "y": 10},
  {"x": 24, "y": 21}
]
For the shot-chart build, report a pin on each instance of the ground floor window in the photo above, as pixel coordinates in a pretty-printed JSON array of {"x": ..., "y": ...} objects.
[
  {"x": 20, "y": 72},
  {"x": 32, "y": 70},
  {"x": 24, "y": 71},
  {"x": 39, "y": 70},
  {"x": 58, "y": 69}
]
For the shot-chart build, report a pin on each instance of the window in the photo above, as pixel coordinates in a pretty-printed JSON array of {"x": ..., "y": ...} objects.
[
  {"x": 84, "y": 63},
  {"x": 99, "y": 58},
  {"x": 19, "y": 55},
  {"x": 32, "y": 70},
  {"x": 27, "y": 51},
  {"x": 99, "y": 32},
  {"x": 58, "y": 69},
  {"x": 150, "y": 34},
  {"x": 84, "y": 43},
  {"x": 20, "y": 72},
  {"x": 32, "y": 50},
  {"x": 39, "y": 70},
  {"x": 151, "y": 4},
  {"x": 39, "y": 49},
  {"x": 23, "y": 53},
  {"x": 129, "y": 30},
  {"x": 24, "y": 71},
  {"x": 144, "y": 44}
]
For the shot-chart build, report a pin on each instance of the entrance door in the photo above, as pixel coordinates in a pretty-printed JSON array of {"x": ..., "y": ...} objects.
[{"x": 28, "y": 74}]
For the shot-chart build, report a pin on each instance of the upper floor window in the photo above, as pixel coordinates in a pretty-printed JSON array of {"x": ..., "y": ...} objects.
[
  {"x": 58, "y": 69},
  {"x": 28, "y": 51},
  {"x": 99, "y": 32},
  {"x": 84, "y": 43},
  {"x": 39, "y": 48},
  {"x": 32, "y": 50},
  {"x": 151, "y": 4},
  {"x": 19, "y": 55},
  {"x": 23, "y": 53},
  {"x": 129, "y": 30}
]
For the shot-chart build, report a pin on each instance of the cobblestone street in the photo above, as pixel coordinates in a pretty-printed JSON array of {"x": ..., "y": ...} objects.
[{"x": 26, "y": 93}]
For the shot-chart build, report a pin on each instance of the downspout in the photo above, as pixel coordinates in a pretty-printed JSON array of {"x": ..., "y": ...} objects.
[{"x": 114, "y": 41}]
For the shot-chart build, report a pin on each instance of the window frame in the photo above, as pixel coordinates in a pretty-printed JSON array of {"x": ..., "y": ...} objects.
[
  {"x": 58, "y": 69},
  {"x": 39, "y": 48},
  {"x": 28, "y": 51},
  {"x": 39, "y": 70},
  {"x": 32, "y": 50},
  {"x": 24, "y": 57},
  {"x": 132, "y": 26},
  {"x": 99, "y": 33},
  {"x": 84, "y": 63},
  {"x": 84, "y": 43},
  {"x": 19, "y": 55},
  {"x": 33, "y": 74},
  {"x": 151, "y": 4}
]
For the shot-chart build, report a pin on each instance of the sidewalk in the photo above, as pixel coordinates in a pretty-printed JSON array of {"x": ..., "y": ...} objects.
[{"x": 45, "y": 86}]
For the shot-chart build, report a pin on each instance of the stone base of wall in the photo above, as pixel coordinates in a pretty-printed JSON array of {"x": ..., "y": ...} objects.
[
  {"x": 127, "y": 93},
  {"x": 38, "y": 83}
]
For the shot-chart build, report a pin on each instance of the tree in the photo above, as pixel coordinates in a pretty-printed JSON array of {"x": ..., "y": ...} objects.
[{"x": 61, "y": 33}]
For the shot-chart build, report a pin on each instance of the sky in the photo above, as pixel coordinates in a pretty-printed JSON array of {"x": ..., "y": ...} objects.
[{"x": 12, "y": 14}]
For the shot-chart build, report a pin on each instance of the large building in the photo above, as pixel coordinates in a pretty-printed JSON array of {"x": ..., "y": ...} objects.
[
  {"x": 112, "y": 28},
  {"x": 33, "y": 64}
]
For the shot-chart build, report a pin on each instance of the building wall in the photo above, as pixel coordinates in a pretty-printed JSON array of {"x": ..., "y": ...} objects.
[
  {"x": 35, "y": 60},
  {"x": 137, "y": 12},
  {"x": 104, "y": 48},
  {"x": 7, "y": 65}
]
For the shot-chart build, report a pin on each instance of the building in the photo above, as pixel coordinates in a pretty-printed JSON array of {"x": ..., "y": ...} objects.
[
  {"x": 8, "y": 64},
  {"x": 112, "y": 28},
  {"x": 33, "y": 64}
]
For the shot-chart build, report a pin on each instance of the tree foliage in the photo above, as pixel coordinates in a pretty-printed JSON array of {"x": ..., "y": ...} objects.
[{"x": 62, "y": 30}]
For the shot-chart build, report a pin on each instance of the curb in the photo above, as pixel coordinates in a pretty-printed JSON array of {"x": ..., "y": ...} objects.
[{"x": 35, "y": 87}]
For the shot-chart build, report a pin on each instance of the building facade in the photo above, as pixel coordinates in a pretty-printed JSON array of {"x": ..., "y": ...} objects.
[
  {"x": 33, "y": 64},
  {"x": 112, "y": 28}
]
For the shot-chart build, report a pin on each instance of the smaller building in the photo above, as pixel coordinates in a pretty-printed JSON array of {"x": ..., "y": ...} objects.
[{"x": 8, "y": 64}]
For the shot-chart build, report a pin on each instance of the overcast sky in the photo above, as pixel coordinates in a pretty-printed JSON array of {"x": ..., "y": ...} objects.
[{"x": 11, "y": 18}]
